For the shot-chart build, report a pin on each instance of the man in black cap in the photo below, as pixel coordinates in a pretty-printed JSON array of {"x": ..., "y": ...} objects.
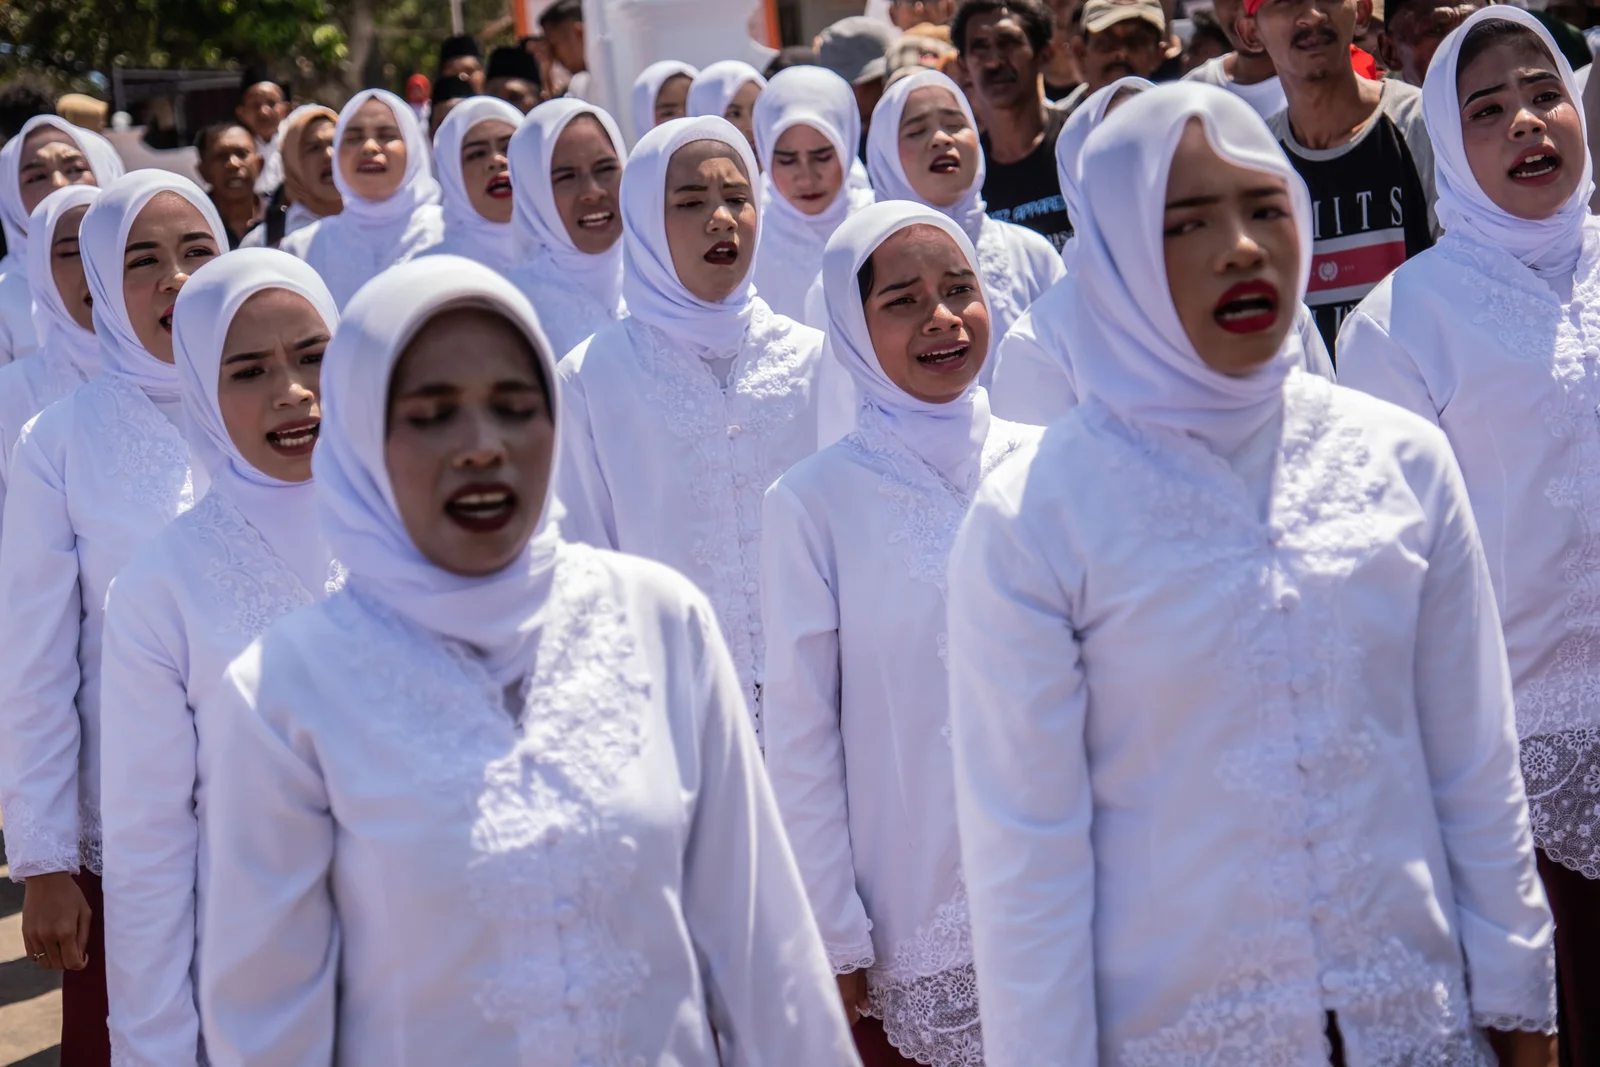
[
  {"x": 447, "y": 93},
  {"x": 513, "y": 76},
  {"x": 459, "y": 57}
]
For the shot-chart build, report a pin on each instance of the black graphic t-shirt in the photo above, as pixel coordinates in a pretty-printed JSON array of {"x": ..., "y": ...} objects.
[
  {"x": 1371, "y": 201},
  {"x": 1027, "y": 192}
]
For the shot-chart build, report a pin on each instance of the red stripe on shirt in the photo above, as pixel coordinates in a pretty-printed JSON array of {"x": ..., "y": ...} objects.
[{"x": 1367, "y": 265}]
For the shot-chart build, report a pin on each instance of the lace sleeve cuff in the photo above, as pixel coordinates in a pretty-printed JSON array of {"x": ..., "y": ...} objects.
[
  {"x": 844, "y": 959},
  {"x": 1510, "y": 1023},
  {"x": 49, "y": 861}
]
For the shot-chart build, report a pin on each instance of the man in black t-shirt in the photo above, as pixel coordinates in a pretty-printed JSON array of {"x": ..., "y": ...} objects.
[
  {"x": 1361, "y": 147},
  {"x": 1004, "y": 46}
]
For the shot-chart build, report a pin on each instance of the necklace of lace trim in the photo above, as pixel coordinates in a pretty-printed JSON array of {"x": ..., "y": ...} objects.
[
  {"x": 149, "y": 459},
  {"x": 1558, "y": 711},
  {"x": 241, "y": 569},
  {"x": 1409, "y": 1009},
  {"x": 549, "y": 859}
]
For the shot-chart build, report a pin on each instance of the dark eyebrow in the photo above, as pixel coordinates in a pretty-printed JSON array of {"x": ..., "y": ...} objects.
[
  {"x": 71, "y": 239},
  {"x": 1266, "y": 190},
  {"x": 244, "y": 357},
  {"x": 142, "y": 246},
  {"x": 893, "y": 287},
  {"x": 312, "y": 341},
  {"x": 689, "y": 189},
  {"x": 198, "y": 235},
  {"x": 1490, "y": 91},
  {"x": 965, "y": 272},
  {"x": 431, "y": 389},
  {"x": 1193, "y": 201}
]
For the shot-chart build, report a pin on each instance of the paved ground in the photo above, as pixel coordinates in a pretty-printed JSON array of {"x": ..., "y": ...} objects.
[{"x": 30, "y": 999}]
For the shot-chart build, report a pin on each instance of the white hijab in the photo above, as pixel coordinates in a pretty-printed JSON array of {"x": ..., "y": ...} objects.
[
  {"x": 497, "y": 615},
  {"x": 543, "y": 231},
  {"x": 949, "y": 437},
  {"x": 1144, "y": 368},
  {"x": 1551, "y": 244},
  {"x": 370, "y": 235},
  {"x": 650, "y": 283},
  {"x": 819, "y": 98},
  {"x": 467, "y": 233},
  {"x": 1085, "y": 118},
  {"x": 647, "y": 86},
  {"x": 714, "y": 88},
  {"x": 60, "y": 338},
  {"x": 104, "y": 163},
  {"x": 883, "y": 152},
  {"x": 101, "y": 240},
  {"x": 284, "y": 513}
]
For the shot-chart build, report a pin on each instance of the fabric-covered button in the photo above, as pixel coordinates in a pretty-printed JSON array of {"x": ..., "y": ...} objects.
[
  {"x": 1275, "y": 532},
  {"x": 1288, "y": 600},
  {"x": 751, "y": 588},
  {"x": 1301, "y": 683},
  {"x": 735, "y": 430},
  {"x": 1321, "y": 910},
  {"x": 740, "y": 480}
]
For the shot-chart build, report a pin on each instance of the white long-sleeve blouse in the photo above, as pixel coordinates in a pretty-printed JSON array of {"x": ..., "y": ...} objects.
[
  {"x": 662, "y": 460},
  {"x": 569, "y": 312},
  {"x": 17, "y": 337},
  {"x": 27, "y": 387},
  {"x": 1035, "y": 380},
  {"x": 1475, "y": 342},
  {"x": 93, "y": 478},
  {"x": 402, "y": 873},
  {"x": 855, "y": 541},
  {"x": 1228, "y": 762},
  {"x": 177, "y": 615}
]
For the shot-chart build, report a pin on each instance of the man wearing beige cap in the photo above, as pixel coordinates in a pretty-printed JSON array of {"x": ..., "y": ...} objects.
[{"x": 1120, "y": 38}]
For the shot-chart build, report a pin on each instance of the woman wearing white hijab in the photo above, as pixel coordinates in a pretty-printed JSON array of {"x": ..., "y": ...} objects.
[
  {"x": 68, "y": 353},
  {"x": 1034, "y": 379},
  {"x": 556, "y": 732},
  {"x": 684, "y": 412},
  {"x": 659, "y": 95},
  {"x": 53, "y": 153},
  {"x": 806, "y": 126},
  {"x": 854, "y": 546},
  {"x": 922, "y": 146},
  {"x": 569, "y": 173},
  {"x": 1236, "y": 771},
  {"x": 727, "y": 90},
  {"x": 391, "y": 201},
  {"x": 248, "y": 335},
  {"x": 471, "y": 153},
  {"x": 93, "y": 478},
  {"x": 1494, "y": 335}
]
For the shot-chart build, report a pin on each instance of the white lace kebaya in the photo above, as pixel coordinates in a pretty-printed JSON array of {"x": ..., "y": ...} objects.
[
  {"x": 497, "y": 245},
  {"x": 369, "y": 236},
  {"x": 190, "y": 601},
  {"x": 16, "y": 315},
  {"x": 547, "y": 769},
  {"x": 1232, "y": 721},
  {"x": 790, "y": 259},
  {"x": 1505, "y": 357},
  {"x": 68, "y": 355},
  {"x": 664, "y": 457},
  {"x": 574, "y": 293},
  {"x": 1017, "y": 264},
  {"x": 93, "y": 477},
  {"x": 854, "y": 545}
]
